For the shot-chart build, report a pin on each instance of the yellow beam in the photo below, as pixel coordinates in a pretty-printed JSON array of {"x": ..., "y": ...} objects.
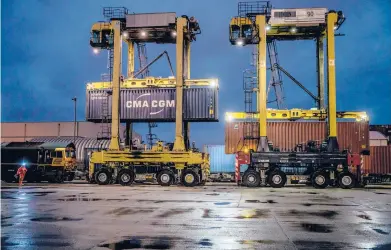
[
  {"x": 130, "y": 58},
  {"x": 331, "y": 84},
  {"x": 179, "y": 144},
  {"x": 261, "y": 24},
  {"x": 155, "y": 82},
  {"x": 114, "y": 142},
  {"x": 295, "y": 114}
]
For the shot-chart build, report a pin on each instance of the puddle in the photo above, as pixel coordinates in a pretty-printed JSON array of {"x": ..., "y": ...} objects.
[
  {"x": 253, "y": 214},
  {"x": 125, "y": 211},
  {"x": 316, "y": 228},
  {"x": 213, "y": 194},
  {"x": 326, "y": 245},
  {"x": 54, "y": 219},
  {"x": 364, "y": 216},
  {"x": 327, "y": 204},
  {"x": 377, "y": 230},
  {"x": 117, "y": 199},
  {"x": 222, "y": 203},
  {"x": 382, "y": 193},
  {"x": 141, "y": 242},
  {"x": 175, "y": 212},
  {"x": 6, "y": 225},
  {"x": 205, "y": 243},
  {"x": 326, "y": 214},
  {"x": 172, "y": 201},
  {"x": 253, "y": 242},
  {"x": 80, "y": 199},
  {"x": 312, "y": 193},
  {"x": 258, "y": 201}
]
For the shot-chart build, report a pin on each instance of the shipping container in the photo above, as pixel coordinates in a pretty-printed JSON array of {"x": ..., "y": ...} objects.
[
  {"x": 379, "y": 160},
  {"x": 219, "y": 161},
  {"x": 286, "y": 135},
  {"x": 155, "y": 104},
  {"x": 150, "y": 20}
]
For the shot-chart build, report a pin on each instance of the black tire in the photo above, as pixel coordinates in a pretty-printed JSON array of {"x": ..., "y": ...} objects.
[
  {"x": 165, "y": 177},
  {"x": 346, "y": 181},
  {"x": 190, "y": 178},
  {"x": 126, "y": 177},
  {"x": 320, "y": 179},
  {"x": 103, "y": 177},
  {"x": 277, "y": 179},
  {"x": 251, "y": 178}
]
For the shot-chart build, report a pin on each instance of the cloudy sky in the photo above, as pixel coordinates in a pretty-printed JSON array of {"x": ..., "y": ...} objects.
[{"x": 46, "y": 58}]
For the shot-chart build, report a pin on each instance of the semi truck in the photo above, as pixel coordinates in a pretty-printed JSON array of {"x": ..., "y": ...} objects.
[{"x": 52, "y": 162}]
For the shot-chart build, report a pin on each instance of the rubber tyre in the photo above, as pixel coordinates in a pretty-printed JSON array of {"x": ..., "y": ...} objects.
[
  {"x": 190, "y": 178},
  {"x": 320, "y": 180},
  {"x": 165, "y": 178},
  {"x": 103, "y": 177},
  {"x": 126, "y": 177},
  {"x": 251, "y": 178},
  {"x": 346, "y": 181},
  {"x": 277, "y": 179}
]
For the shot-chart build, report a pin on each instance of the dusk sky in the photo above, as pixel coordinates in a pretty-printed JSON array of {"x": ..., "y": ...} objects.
[{"x": 47, "y": 59}]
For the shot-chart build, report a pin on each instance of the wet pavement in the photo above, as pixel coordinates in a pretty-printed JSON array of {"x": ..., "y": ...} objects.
[{"x": 222, "y": 216}]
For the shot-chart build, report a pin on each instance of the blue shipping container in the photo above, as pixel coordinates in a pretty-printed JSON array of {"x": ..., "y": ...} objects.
[{"x": 219, "y": 161}]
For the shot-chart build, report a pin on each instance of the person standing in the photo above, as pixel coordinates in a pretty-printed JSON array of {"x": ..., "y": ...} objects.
[{"x": 21, "y": 173}]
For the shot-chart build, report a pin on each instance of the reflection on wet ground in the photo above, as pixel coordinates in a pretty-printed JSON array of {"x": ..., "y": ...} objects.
[{"x": 214, "y": 217}]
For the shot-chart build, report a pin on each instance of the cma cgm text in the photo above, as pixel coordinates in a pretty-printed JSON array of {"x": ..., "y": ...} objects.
[{"x": 153, "y": 104}]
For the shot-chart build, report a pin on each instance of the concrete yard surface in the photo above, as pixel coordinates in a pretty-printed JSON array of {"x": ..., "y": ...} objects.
[{"x": 218, "y": 216}]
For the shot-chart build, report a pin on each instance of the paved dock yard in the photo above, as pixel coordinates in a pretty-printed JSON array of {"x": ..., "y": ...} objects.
[{"x": 218, "y": 216}]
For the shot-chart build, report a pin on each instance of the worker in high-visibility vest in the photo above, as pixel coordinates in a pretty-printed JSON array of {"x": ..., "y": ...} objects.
[{"x": 21, "y": 173}]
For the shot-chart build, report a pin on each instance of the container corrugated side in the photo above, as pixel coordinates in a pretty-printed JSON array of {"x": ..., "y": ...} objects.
[
  {"x": 286, "y": 135},
  {"x": 155, "y": 104},
  {"x": 219, "y": 161},
  {"x": 379, "y": 160},
  {"x": 149, "y": 20}
]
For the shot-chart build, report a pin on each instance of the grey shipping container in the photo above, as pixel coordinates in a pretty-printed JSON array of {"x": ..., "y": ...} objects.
[
  {"x": 150, "y": 20},
  {"x": 155, "y": 104}
]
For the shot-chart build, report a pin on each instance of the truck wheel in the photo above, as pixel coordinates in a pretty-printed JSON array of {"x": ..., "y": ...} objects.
[
  {"x": 189, "y": 178},
  {"x": 277, "y": 179},
  {"x": 320, "y": 179},
  {"x": 103, "y": 177},
  {"x": 251, "y": 178},
  {"x": 165, "y": 177},
  {"x": 346, "y": 180},
  {"x": 125, "y": 177}
]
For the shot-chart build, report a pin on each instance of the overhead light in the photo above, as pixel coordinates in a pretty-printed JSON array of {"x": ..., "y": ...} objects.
[
  {"x": 229, "y": 118},
  {"x": 293, "y": 30},
  {"x": 95, "y": 50},
  {"x": 335, "y": 27},
  {"x": 268, "y": 27},
  {"x": 240, "y": 42},
  {"x": 143, "y": 34},
  {"x": 213, "y": 83},
  {"x": 173, "y": 33},
  {"x": 125, "y": 34}
]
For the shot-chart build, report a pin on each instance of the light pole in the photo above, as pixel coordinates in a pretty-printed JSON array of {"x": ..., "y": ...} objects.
[{"x": 74, "y": 99}]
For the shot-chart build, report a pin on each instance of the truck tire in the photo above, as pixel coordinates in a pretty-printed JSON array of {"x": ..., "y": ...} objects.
[
  {"x": 165, "y": 177},
  {"x": 346, "y": 181},
  {"x": 190, "y": 178},
  {"x": 320, "y": 179},
  {"x": 125, "y": 177},
  {"x": 251, "y": 178},
  {"x": 277, "y": 179},
  {"x": 103, "y": 177}
]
